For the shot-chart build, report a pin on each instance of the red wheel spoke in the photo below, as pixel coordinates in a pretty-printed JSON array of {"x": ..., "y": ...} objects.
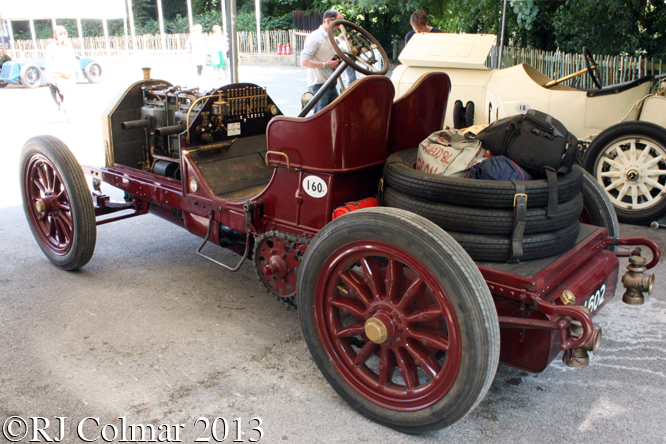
[
  {"x": 48, "y": 175},
  {"x": 355, "y": 283},
  {"x": 63, "y": 230},
  {"x": 394, "y": 279},
  {"x": 38, "y": 181},
  {"x": 407, "y": 368},
  {"x": 57, "y": 186},
  {"x": 365, "y": 353},
  {"x": 349, "y": 305},
  {"x": 350, "y": 330},
  {"x": 433, "y": 339},
  {"x": 373, "y": 274},
  {"x": 414, "y": 291},
  {"x": 423, "y": 358},
  {"x": 425, "y": 315},
  {"x": 64, "y": 205},
  {"x": 386, "y": 366},
  {"x": 67, "y": 220},
  {"x": 52, "y": 227}
]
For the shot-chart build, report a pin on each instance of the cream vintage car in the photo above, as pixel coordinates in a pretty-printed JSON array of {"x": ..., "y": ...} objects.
[{"x": 624, "y": 123}]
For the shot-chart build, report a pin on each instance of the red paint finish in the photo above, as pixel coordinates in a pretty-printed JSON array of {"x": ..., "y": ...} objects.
[
  {"x": 422, "y": 327},
  {"x": 534, "y": 349},
  {"x": 350, "y": 133},
  {"x": 419, "y": 112}
]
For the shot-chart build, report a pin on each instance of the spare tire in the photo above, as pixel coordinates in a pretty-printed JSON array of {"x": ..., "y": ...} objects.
[
  {"x": 485, "y": 220},
  {"x": 399, "y": 172},
  {"x": 536, "y": 246}
]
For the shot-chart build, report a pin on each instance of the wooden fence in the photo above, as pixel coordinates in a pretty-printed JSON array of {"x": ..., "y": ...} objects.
[
  {"x": 612, "y": 69},
  {"x": 169, "y": 45}
]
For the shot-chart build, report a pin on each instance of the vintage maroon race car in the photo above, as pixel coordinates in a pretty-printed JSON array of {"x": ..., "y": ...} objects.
[{"x": 404, "y": 325}]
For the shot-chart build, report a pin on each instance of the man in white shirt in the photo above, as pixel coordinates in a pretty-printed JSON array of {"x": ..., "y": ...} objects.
[{"x": 317, "y": 56}]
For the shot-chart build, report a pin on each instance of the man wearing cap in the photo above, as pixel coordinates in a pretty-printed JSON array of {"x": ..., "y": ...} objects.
[{"x": 317, "y": 56}]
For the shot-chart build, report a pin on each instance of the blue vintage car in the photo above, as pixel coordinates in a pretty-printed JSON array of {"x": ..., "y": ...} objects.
[{"x": 30, "y": 73}]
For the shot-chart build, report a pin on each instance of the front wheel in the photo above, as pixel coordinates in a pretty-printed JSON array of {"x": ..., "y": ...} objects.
[
  {"x": 31, "y": 76},
  {"x": 93, "y": 72},
  {"x": 398, "y": 319},
  {"x": 57, "y": 202},
  {"x": 629, "y": 160}
]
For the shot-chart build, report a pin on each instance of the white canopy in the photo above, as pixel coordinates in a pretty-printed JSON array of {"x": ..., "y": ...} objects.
[{"x": 64, "y": 9}]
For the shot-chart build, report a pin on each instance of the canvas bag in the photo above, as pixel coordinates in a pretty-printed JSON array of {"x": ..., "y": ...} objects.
[{"x": 449, "y": 152}]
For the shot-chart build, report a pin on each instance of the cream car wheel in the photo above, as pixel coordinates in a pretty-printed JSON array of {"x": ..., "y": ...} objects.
[{"x": 629, "y": 161}]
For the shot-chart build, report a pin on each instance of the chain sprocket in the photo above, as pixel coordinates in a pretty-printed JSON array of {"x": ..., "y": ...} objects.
[{"x": 277, "y": 259}]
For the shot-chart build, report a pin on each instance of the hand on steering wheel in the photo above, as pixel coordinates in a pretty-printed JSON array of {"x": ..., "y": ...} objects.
[
  {"x": 592, "y": 69},
  {"x": 361, "y": 48}
]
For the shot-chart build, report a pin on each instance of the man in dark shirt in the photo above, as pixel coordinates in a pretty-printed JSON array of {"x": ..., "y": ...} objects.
[
  {"x": 4, "y": 58},
  {"x": 419, "y": 22}
]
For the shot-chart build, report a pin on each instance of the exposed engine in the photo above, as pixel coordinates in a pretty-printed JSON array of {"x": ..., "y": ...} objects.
[{"x": 172, "y": 119}]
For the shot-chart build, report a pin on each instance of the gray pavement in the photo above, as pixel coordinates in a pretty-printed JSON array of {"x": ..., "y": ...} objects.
[{"x": 151, "y": 332}]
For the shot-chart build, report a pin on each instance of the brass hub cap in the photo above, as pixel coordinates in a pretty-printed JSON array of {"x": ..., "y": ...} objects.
[
  {"x": 379, "y": 328},
  {"x": 375, "y": 330},
  {"x": 40, "y": 206}
]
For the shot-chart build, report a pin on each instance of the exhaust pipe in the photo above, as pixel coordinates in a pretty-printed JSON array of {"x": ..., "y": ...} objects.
[{"x": 636, "y": 281}]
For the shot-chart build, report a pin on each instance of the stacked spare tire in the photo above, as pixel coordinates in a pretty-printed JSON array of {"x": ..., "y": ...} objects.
[
  {"x": 497, "y": 220},
  {"x": 479, "y": 214}
]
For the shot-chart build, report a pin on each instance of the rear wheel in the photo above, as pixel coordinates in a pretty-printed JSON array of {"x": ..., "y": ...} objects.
[
  {"x": 398, "y": 319},
  {"x": 629, "y": 161},
  {"x": 57, "y": 202}
]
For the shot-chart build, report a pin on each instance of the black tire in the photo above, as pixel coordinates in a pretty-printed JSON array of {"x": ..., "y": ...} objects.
[
  {"x": 397, "y": 242},
  {"x": 93, "y": 72},
  {"x": 458, "y": 115},
  {"x": 469, "y": 114},
  {"x": 602, "y": 158},
  {"x": 399, "y": 172},
  {"x": 57, "y": 202},
  {"x": 486, "y": 248},
  {"x": 485, "y": 220},
  {"x": 2, "y": 84},
  {"x": 31, "y": 76},
  {"x": 598, "y": 208}
]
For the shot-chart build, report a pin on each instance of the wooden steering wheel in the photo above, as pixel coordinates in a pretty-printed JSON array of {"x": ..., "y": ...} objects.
[
  {"x": 362, "y": 48},
  {"x": 591, "y": 69}
]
